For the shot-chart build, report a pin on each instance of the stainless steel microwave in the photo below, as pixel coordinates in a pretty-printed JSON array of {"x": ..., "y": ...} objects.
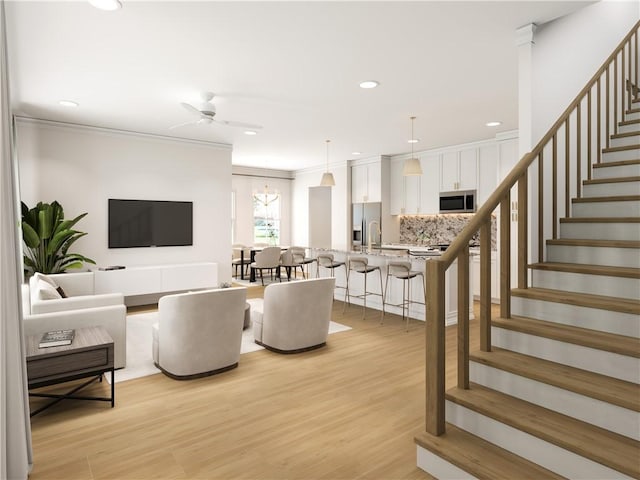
[{"x": 458, "y": 202}]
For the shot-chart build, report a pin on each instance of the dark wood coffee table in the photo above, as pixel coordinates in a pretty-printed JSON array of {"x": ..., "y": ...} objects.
[{"x": 89, "y": 355}]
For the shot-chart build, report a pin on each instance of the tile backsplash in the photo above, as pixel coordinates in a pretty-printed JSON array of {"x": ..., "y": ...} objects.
[{"x": 438, "y": 229}]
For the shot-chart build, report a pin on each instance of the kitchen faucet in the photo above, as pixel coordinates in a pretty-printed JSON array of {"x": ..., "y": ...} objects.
[{"x": 369, "y": 233}]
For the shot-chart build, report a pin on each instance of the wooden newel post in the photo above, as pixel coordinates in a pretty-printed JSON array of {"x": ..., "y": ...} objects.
[{"x": 435, "y": 353}]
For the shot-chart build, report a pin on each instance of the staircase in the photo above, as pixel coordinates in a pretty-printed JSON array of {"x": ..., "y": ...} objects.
[{"x": 556, "y": 392}]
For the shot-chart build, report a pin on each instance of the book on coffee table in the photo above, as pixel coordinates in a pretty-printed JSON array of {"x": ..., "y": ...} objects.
[{"x": 56, "y": 338}]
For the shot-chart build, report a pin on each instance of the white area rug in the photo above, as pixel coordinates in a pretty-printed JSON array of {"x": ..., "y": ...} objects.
[{"x": 139, "y": 340}]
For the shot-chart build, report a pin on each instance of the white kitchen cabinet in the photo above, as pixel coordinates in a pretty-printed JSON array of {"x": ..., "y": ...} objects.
[
  {"x": 459, "y": 170},
  {"x": 429, "y": 188},
  {"x": 396, "y": 188},
  {"x": 366, "y": 182},
  {"x": 487, "y": 172}
]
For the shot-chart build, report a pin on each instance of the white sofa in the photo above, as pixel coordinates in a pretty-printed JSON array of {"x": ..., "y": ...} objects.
[
  {"x": 81, "y": 308},
  {"x": 294, "y": 316},
  {"x": 199, "y": 333}
]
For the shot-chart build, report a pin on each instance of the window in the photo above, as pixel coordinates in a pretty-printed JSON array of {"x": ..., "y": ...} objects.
[{"x": 266, "y": 217}]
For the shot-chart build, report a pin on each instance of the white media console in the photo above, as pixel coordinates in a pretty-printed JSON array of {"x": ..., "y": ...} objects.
[{"x": 137, "y": 283}]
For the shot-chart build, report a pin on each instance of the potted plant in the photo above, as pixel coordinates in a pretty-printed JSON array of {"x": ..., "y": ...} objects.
[{"x": 47, "y": 238}]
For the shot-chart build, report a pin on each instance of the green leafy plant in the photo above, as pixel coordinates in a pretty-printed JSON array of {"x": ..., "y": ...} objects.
[{"x": 47, "y": 238}]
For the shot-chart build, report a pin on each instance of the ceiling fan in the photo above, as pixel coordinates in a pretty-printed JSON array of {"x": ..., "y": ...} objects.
[{"x": 206, "y": 111}]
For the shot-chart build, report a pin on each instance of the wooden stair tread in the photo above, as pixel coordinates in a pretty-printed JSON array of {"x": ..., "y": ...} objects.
[
  {"x": 618, "y": 198},
  {"x": 607, "y": 448},
  {"x": 480, "y": 458},
  {"x": 616, "y": 304},
  {"x": 600, "y": 220},
  {"x": 579, "y": 242},
  {"x": 628, "y": 122},
  {"x": 593, "y": 385},
  {"x": 622, "y": 148},
  {"x": 597, "y": 181},
  {"x": 615, "y": 164},
  {"x": 627, "y": 134},
  {"x": 608, "y": 342},
  {"x": 626, "y": 272}
]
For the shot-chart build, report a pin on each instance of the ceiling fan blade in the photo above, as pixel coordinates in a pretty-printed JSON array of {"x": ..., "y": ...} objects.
[
  {"x": 238, "y": 124},
  {"x": 183, "y": 124},
  {"x": 191, "y": 109}
]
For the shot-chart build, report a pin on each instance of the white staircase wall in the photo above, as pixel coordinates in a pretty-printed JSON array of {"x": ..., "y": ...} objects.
[
  {"x": 612, "y": 256},
  {"x": 600, "y": 231},
  {"x": 534, "y": 449},
  {"x": 596, "y": 412},
  {"x": 606, "y": 363},
  {"x": 619, "y": 323},
  {"x": 611, "y": 286}
]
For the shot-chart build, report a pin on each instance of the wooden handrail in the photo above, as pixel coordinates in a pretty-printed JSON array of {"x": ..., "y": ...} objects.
[{"x": 482, "y": 220}]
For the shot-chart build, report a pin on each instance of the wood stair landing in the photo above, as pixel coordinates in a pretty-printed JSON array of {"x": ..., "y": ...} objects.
[
  {"x": 609, "y": 342},
  {"x": 593, "y": 385},
  {"x": 597, "y": 444},
  {"x": 480, "y": 458}
]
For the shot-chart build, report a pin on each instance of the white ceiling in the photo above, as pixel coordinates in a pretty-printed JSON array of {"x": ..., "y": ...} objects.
[{"x": 292, "y": 67}]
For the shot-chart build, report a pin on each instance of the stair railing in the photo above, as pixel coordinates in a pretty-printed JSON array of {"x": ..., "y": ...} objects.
[{"x": 555, "y": 169}]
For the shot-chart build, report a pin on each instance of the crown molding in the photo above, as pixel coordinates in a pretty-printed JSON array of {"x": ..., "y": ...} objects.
[{"x": 113, "y": 131}]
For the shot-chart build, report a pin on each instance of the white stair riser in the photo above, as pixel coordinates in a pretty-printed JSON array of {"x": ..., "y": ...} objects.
[
  {"x": 598, "y": 361},
  {"x": 619, "y": 156},
  {"x": 621, "y": 287},
  {"x": 617, "y": 171},
  {"x": 601, "y": 231},
  {"x": 632, "y": 115},
  {"x": 596, "y": 412},
  {"x": 439, "y": 467},
  {"x": 612, "y": 256},
  {"x": 629, "y": 208},
  {"x": 634, "y": 127},
  {"x": 613, "y": 188},
  {"x": 624, "y": 141},
  {"x": 534, "y": 449},
  {"x": 618, "y": 323}
]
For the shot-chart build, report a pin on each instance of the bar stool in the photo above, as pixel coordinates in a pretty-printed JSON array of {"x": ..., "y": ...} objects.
[
  {"x": 402, "y": 271},
  {"x": 361, "y": 265},
  {"x": 326, "y": 260},
  {"x": 299, "y": 255}
]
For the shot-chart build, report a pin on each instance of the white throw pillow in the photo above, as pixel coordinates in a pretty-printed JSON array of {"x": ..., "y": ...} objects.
[
  {"x": 40, "y": 276},
  {"x": 46, "y": 291}
]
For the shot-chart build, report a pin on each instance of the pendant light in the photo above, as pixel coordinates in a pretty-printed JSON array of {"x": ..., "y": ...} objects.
[
  {"x": 411, "y": 165},
  {"x": 327, "y": 177}
]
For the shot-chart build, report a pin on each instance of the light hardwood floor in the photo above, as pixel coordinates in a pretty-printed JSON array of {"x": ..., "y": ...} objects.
[{"x": 346, "y": 411}]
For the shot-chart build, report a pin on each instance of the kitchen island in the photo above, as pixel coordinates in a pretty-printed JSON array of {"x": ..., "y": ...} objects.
[{"x": 380, "y": 257}]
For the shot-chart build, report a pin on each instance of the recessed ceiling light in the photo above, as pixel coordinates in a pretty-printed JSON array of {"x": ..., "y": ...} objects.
[
  {"x": 369, "y": 84},
  {"x": 493, "y": 124},
  {"x": 250, "y": 132},
  {"x": 68, "y": 103},
  {"x": 413, "y": 140},
  {"x": 356, "y": 153},
  {"x": 109, "y": 5}
]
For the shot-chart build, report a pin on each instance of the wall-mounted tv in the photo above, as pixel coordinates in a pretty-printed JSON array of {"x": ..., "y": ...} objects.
[{"x": 150, "y": 223}]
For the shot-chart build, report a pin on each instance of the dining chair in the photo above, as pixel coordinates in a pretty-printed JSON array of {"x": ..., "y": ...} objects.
[{"x": 267, "y": 259}]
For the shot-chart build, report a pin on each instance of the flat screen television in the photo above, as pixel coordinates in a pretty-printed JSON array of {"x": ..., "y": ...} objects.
[{"x": 150, "y": 223}]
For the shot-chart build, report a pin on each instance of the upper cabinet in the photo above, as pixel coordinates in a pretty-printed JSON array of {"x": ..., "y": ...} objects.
[
  {"x": 459, "y": 170},
  {"x": 366, "y": 182},
  {"x": 476, "y": 166}
]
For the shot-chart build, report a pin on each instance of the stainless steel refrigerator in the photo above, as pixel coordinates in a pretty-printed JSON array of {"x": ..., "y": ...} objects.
[{"x": 362, "y": 214}]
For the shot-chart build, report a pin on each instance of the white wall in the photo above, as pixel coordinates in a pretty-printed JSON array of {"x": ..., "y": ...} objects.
[
  {"x": 247, "y": 181},
  {"x": 82, "y": 167},
  {"x": 569, "y": 51}
]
